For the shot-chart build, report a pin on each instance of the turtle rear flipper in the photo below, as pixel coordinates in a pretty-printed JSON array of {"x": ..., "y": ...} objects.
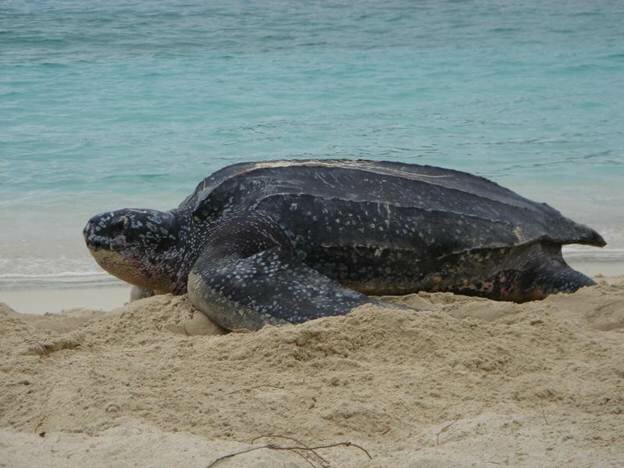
[
  {"x": 551, "y": 277},
  {"x": 534, "y": 272},
  {"x": 249, "y": 276}
]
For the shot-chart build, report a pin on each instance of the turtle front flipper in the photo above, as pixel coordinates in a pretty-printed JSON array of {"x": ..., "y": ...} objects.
[{"x": 249, "y": 276}]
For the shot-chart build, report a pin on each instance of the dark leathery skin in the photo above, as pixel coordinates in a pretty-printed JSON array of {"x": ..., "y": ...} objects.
[{"x": 373, "y": 227}]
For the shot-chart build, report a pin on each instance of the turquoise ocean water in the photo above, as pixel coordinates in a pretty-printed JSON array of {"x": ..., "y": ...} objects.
[{"x": 129, "y": 104}]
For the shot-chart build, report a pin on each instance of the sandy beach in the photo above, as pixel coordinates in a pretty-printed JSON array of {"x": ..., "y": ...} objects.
[
  {"x": 450, "y": 381},
  {"x": 273, "y": 159}
]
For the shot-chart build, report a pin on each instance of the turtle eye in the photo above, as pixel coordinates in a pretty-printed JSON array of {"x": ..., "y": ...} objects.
[{"x": 166, "y": 242}]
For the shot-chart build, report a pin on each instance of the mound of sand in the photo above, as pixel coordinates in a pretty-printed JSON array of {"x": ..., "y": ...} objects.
[{"x": 452, "y": 381}]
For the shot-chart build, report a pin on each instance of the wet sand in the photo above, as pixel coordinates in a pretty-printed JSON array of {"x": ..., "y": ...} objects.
[{"x": 47, "y": 300}]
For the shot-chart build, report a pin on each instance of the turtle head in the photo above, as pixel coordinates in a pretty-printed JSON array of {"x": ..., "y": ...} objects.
[{"x": 135, "y": 246}]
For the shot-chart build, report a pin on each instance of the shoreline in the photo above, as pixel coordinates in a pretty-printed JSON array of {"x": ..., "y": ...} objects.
[
  {"x": 114, "y": 294},
  {"x": 595, "y": 267}
]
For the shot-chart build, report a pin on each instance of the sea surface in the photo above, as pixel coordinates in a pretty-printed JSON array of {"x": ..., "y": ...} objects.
[{"x": 117, "y": 104}]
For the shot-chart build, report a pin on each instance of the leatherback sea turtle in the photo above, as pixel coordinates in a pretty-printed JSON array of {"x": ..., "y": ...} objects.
[{"x": 290, "y": 241}]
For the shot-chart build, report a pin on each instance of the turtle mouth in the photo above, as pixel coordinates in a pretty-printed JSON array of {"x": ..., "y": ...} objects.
[{"x": 116, "y": 244}]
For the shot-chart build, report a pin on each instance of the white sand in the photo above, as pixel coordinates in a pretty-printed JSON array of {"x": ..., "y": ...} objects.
[{"x": 454, "y": 382}]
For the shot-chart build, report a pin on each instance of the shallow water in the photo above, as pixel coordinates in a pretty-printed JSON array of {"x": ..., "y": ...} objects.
[{"x": 121, "y": 104}]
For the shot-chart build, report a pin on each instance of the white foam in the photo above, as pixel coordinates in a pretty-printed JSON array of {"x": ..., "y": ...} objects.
[{"x": 63, "y": 279}]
